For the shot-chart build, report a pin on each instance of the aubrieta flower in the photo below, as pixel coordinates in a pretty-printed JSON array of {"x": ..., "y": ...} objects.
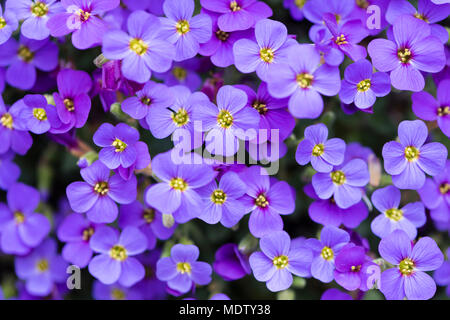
[
  {"x": 13, "y": 133},
  {"x": 114, "y": 291},
  {"x": 221, "y": 200},
  {"x": 295, "y": 8},
  {"x": 176, "y": 193},
  {"x": 332, "y": 240},
  {"x": 442, "y": 275},
  {"x": 278, "y": 260},
  {"x": 331, "y": 55},
  {"x": 184, "y": 73},
  {"x": 237, "y": 14},
  {"x": 344, "y": 183},
  {"x": 315, "y": 10},
  {"x": 76, "y": 231},
  {"x": 361, "y": 86},
  {"x": 9, "y": 171},
  {"x": 142, "y": 50},
  {"x": 322, "y": 153},
  {"x": 328, "y": 213},
  {"x": 304, "y": 80},
  {"x": 116, "y": 263},
  {"x": 264, "y": 55},
  {"x": 183, "y": 30},
  {"x": 182, "y": 270},
  {"x": 24, "y": 57},
  {"x": 21, "y": 228},
  {"x": 35, "y": 14},
  {"x": 266, "y": 200},
  {"x": 8, "y": 24},
  {"x": 408, "y": 160},
  {"x": 426, "y": 107},
  {"x": 230, "y": 263},
  {"x": 413, "y": 51},
  {"x": 435, "y": 195},
  {"x": 34, "y": 113},
  {"x": 42, "y": 269},
  {"x": 408, "y": 277},
  {"x": 230, "y": 121},
  {"x": 81, "y": 18},
  {"x": 97, "y": 196},
  {"x": 148, "y": 220},
  {"x": 408, "y": 218}
]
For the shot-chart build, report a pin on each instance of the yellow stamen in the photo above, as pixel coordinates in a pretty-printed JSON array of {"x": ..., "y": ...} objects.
[
  {"x": 149, "y": 215},
  {"x": 178, "y": 184},
  {"x": 260, "y": 107},
  {"x": 118, "y": 252},
  {"x": 184, "y": 267},
  {"x": 225, "y": 119},
  {"x": 327, "y": 253},
  {"x": 364, "y": 85},
  {"x": 42, "y": 265},
  {"x": 338, "y": 177},
  {"x": 88, "y": 233},
  {"x": 218, "y": 197},
  {"x": 261, "y": 201},
  {"x": 69, "y": 104},
  {"x": 234, "y": 6},
  {"x": 405, "y": 55},
  {"x": 443, "y": 111},
  {"x": 222, "y": 35},
  {"x": 101, "y": 188},
  {"x": 182, "y": 27},
  {"x": 39, "y": 9},
  {"x": 411, "y": 153},
  {"x": 25, "y": 53},
  {"x": 407, "y": 267},
  {"x": 2, "y": 22},
  {"x": 181, "y": 117},
  {"x": 19, "y": 217},
  {"x": 305, "y": 80},
  {"x": 340, "y": 40},
  {"x": 138, "y": 46},
  {"x": 120, "y": 145},
  {"x": 318, "y": 150},
  {"x": 179, "y": 73},
  {"x": 40, "y": 114},
  {"x": 267, "y": 55},
  {"x": 7, "y": 120},
  {"x": 281, "y": 262},
  {"x": 394, "y": 214}
]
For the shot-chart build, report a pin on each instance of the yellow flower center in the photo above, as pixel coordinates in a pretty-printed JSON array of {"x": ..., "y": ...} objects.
[
  {"x": 42, "y": 265},
  {"x": 405, "y": 55},
  {"x": 119, "y": 145},
  {"x": 318, "y": 150},
  {"x": 362, "y": 3},
  {"x": 181, "y": 117},
  {"x": 394, "y": 214},
  {"x": 40, "y": 114},
  {"x": 261, "y": 201},
  {"x": 281, "y": 262},
  {"x": 101, "y": 188},
  {"x": 88, "y": 233},
  {"x": 118, "y": 253},
  {"x": 327, "y": 253},
  {"x": 411, "y": 153},
  {"x": 7, "y": 120},
  {"x": 117, "y": 294},
  {"x": 39, "y": 9},
  {"x": 260, "y": 107},
  {"x": 364, "y": 85},
  {"x": 222, "y": 35},
  {"x": 2, "y": 22},
  {"x": 179, "y": 73},
  {"x": 356, "y": 268},
  {"x": 340, "y": 40},
  {"x": 225, "y": 119},
  {"x": 218, "y": 197},
  {"x": 149, "y": 215},
  {"x": 234, "y": 6},
  {"x": 182, "y": 27},
  {"x": 184, "y": 267},
  {"x": 444, "y": 188},
  {"x": 300, "y": 3},
  {"x": 305, "y": 80},
  {"x": 146, "y": 100},
  {"x": 68, "y": 103},
  {"x": 421, "y": 17},
  {"x": 267, "y": 55},
  {"x": 138, "y": 46},
  {"x": 178, "y": 184},
  {"x": 25, "y": 53},
  {"x": 443, "y": 111},
  {"x": 406, "y": 267},
  {"x": 19, "y": 217},
  {"x": 84, "y": 15},
  {"x": 338, "y": 177}
]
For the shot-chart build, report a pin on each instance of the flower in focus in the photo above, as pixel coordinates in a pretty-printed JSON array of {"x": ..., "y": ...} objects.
[{"x": 34, "y": 113}]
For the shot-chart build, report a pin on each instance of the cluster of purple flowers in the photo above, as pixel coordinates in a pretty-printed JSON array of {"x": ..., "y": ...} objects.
[{"x": 126, "y": 222}]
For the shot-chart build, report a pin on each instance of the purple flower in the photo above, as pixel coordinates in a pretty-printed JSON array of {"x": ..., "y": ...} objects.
[
  {"x": 176, "y": 193},
  {"x": 266, "y": 200},
  {"x": 414, "y": 50},
  {"x": 115, "y": 291},
  {"x": 335, "y": 294},
  {"x": 323, "y": 153},
  {"x": 13, "y": 132},
  {"x": 97, "y": 196},
  {"x": 315, "y": 10},
  {"x": 34, "y": 113},
  {"x": 237, "y": 14},
  {"x": 8, "y": 24},
  {"x": 183, "y": 73},
  {"x": 9, "y": 171},
  {"x": 332, "y": 240},
  {"x": 142, "y": 50},
  {"x": 408, "y": 218},
  {"x": 435, "y": 195},
  {"x": 362, "y": 86},
  {"x": 321, "y": 38},
  {"x": 76, "y": 231},
  {"x": 428, "y": 108},
  {"x": 181, "y": 270},
  {"x": 295, "y": 8},
  {"x": 230, "y": 263},
  {"x": 183, "y": 30},
  {"x": 116, "y": 263},
  {"x": 408, "y": 277},
  {"x": 148, "y": 220},
  {"x": 442, "y": 275},
  {"x": 35, "y": 14},
  {"x": 21, "y": 228},
  {"x": 264, "y": 55},
  {"x": 278, "y": 260},
  {"x": 344, "y": 183},
  {"x": 304, "y": 80},
  {"x": 221, "y": 200},
  {"x": 72, "y": 100},
  {"x": 81, "y": 18},
  {"x": 42, "y": 269},
  {"x": 230, "y": 121},
  {"x": 24, "y": 57},
  {"x": 408, "y": 160},
  {"x": 328, "y": 213},
  {"x": 150, "y": 287}
]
